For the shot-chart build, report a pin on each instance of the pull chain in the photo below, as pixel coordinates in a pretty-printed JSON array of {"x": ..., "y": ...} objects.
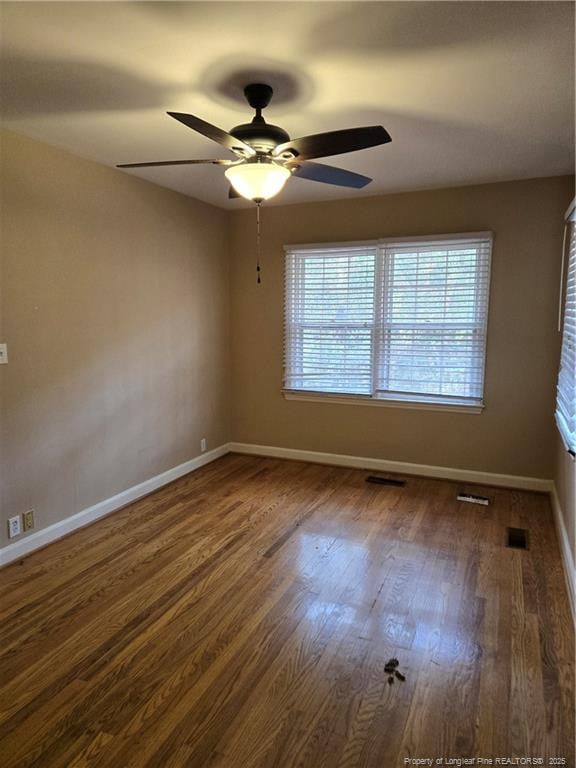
[{"x": 258, "y": 243}]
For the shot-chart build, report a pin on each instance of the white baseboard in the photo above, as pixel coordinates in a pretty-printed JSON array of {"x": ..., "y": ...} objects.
[
  {"x": 18, "y": 549},
  {"x": 565, "y": 550},
  {"x": 385, "y": 465}
]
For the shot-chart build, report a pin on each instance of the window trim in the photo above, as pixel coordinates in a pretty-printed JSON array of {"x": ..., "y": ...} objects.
[
  {"x": 463, "y": 237},
  {"x": 400, "y": 400},
  {"x": 384, "y": 402},
  {"x": 560, "y": 429}
]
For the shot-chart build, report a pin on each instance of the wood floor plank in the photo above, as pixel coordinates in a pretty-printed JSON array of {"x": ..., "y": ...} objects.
[{"x": 242, "y": 617}]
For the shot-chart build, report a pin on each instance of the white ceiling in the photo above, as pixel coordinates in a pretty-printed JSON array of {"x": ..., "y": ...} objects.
[{"x": 469, "y": 91}]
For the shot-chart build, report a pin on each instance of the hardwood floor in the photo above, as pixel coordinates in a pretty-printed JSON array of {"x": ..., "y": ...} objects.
[{"x": 242, "y": 617}]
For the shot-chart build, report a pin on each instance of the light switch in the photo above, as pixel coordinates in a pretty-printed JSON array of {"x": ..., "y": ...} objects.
[{"x": 3, "y": 353}]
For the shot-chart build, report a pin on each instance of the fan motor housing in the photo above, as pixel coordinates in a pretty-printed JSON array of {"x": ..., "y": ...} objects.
[{"x": 260, "y": 135}]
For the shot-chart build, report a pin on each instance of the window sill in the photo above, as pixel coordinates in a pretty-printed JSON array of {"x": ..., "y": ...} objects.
[{"x": 419, "y": 405}]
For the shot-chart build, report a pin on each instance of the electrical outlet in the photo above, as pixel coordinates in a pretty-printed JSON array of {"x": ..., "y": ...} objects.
[
  {"x": 14, "y": 528},
  {"x": 203, "y": 444},
  {"x": 3, "y": 353},
  {"x": 28, "y": 520}
]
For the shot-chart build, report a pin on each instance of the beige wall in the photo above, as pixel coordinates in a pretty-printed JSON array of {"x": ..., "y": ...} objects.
[
  {"x": 115, "y": 309},
  {"x": 115, "y": 305},
  {"x": 515, "y": 434}
]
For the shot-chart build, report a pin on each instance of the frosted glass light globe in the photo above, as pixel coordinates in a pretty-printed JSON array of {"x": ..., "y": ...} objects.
[{"x": 257, "y": 181}]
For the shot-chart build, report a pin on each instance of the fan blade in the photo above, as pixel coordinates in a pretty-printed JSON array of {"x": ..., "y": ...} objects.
[
  {"x": 232, "y": 193},
  {"x": 214, "y": 133},
  {"x": 335, "y": 142},
  {"x": 176, "y": 162},
  {"x": 327, "y": 174}
]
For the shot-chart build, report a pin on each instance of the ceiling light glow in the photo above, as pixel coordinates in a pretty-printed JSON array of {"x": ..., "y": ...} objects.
[{"x": 257, "y": 181}]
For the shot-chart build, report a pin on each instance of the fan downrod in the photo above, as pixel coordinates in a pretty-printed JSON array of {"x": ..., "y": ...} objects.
[{"x": 259, "y": 134}]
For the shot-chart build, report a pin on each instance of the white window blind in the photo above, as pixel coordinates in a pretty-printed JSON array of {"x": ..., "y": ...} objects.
[
  {"x": 402, "y": 320},
  {"x": 566, "y": 393},
  {"x": 330, "y": 320}
]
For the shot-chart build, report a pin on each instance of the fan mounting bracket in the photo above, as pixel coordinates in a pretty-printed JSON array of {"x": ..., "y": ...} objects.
[{"x": 258, "y": 95}]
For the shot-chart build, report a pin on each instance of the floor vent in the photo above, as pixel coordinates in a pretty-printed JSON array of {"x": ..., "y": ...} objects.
[
  {"x": 384, "y": 480},
  {"x": 517, "y": 538},
  {"x": 471, "y": 499}
]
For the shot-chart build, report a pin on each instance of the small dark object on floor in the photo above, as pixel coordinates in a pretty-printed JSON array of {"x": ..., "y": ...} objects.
[
  {"x": 391, "y": 665},
  {"x": 391, "y": 670},
  {"x": 384, "y": 480}
]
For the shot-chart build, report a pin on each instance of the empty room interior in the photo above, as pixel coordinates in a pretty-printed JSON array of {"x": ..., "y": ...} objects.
[{"x": 287, "y": 384}]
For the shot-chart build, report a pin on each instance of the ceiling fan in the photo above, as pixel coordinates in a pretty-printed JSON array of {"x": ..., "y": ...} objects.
[{"x": 266, "y": 157}]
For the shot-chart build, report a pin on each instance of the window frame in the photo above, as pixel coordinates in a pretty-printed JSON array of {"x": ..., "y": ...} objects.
[
  {"x": 570, "y": 230},
  {"x": 394, "y": 399}
]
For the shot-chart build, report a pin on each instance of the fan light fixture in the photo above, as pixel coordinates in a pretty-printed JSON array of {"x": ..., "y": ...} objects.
[
  {"x": 266, "y": 156},
  {"x": 257, "y": 181}
]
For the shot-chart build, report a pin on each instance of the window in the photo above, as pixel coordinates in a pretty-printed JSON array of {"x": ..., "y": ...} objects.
[
  {"x": 402, "y": 320},
  {"x": 566, "y": 395}
]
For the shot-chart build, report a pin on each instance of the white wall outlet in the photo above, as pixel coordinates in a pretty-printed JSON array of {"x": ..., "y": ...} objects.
[
  {"x": 203, "y": 444},
  {"x": 14, "y": 527},
  {"x": 3, "y": 353}
]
